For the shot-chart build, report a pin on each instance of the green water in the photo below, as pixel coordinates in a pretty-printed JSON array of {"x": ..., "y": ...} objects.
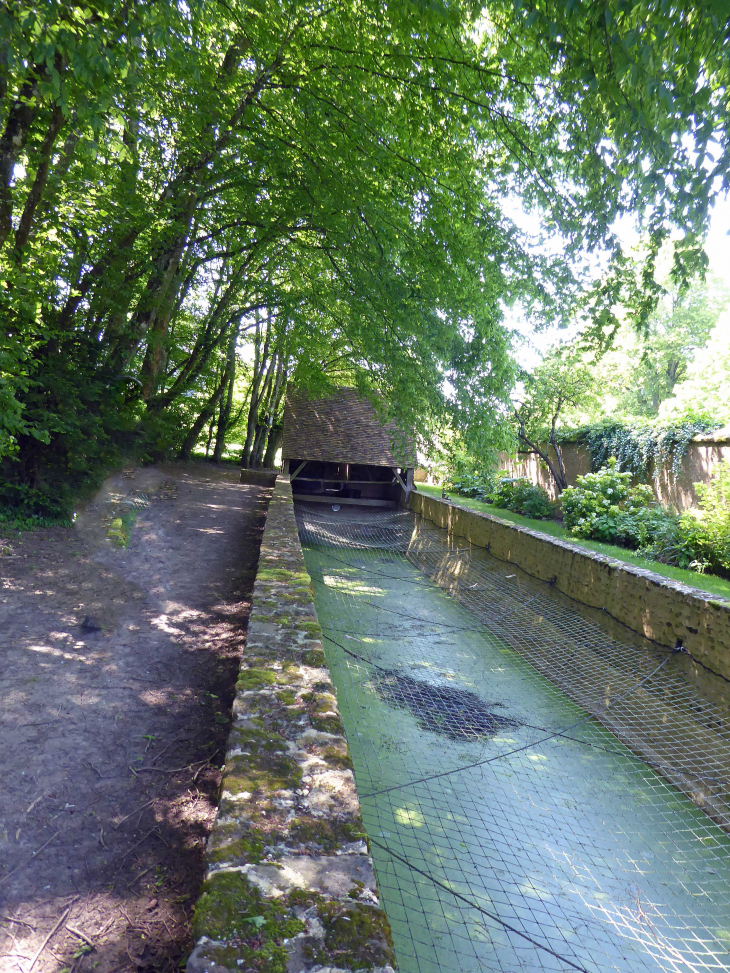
[{"x": 569, "y": 854}]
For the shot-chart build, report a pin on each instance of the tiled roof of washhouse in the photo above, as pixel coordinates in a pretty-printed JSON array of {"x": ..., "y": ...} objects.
[{"x": 342, "y": 428}]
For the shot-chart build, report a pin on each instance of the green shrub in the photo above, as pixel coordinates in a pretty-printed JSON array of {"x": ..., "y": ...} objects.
[
  {"x": 699, "y": 540},
  {"x": 524, "y": 498},
  {"x": 11, "y": 519},
  {"x": 470, "y": 480},
  {"x": 675, "y": 540},
  {"x": 605, "y": 506}
]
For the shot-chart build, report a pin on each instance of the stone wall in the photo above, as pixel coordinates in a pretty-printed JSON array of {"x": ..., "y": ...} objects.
[
  {"x": 647, "y": 603},
  {"x": 290, "y": 884},
  {"x": 700, "y": 461}
]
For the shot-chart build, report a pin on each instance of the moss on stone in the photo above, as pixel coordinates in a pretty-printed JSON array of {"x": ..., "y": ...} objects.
[
  {"x": 248, "y": 848},
  {"x": 230, "y": 908},
  {"x": 356, "y": 890},
  {"x": 338, "y": 757},
  {"x": 314, "y": 658},
  {"x": 304, "y": 898},
  {"x": 356, "y": 937},
  {"x": 329, "y": 835},
  {"x": 262, "y": 773},
  {"x": 287, "y": 696},
  {"x": 255, "y": 678},
  {"x": 296, "y": 599},
  {"x": 311, "y": 628},
  {"x": 327, "y": 724},
  {"x": 295, "y": 578}
]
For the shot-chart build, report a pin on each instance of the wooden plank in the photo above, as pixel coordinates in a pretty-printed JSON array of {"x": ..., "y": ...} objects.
[
  {"x": 339, "y": 479},
  {"x": 350, "y": 501},
  {"x": 298, "y": 470}
]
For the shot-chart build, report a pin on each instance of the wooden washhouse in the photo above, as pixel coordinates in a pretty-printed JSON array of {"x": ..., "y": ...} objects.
[{"x": 337, "y": 450}]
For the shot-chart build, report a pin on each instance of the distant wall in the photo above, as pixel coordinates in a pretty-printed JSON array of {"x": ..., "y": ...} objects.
[
  {"x": 647, "y": 603},
  {"x": 699, "y": 462}
]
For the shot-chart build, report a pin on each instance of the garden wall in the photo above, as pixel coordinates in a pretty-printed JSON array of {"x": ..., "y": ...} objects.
[
  {"x": 705, "y": 452},
  {"x": 647, "y": 603},
  {"x": 290, "y": 884}
]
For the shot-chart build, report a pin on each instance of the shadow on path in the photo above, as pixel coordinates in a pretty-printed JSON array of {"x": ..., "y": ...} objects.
[{"x": 112, "y": 738}]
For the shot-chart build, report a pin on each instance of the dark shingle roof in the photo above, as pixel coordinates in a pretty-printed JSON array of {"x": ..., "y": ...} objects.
[{"x": 343, "y": 428}]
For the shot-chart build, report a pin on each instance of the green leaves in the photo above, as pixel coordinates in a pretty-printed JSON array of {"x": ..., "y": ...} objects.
[{"x": 346, "y": 171}]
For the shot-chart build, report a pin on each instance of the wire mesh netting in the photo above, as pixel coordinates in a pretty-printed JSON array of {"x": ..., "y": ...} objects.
[{"x": 542, "y": 789}]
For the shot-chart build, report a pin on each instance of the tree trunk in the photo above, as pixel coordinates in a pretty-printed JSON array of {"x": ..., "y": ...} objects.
[
  {"x": 205, "y": 416},
  {"x": 259, "y": 366},
  {"x": 210, "y": 438},
  {"x": 13, "y": 141},
  {"x": 39, "y": 182},
  {"x": 258, "y": 447},
  {"x": 224, "y": 415},
  {"x": 272, "y": 445},
  {"x": 557, "y": 472},
  {"x": 272, "y": 411},
  {"x": 153, "y": 312}
]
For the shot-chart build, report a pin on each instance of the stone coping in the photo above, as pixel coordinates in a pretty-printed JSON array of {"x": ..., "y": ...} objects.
[
  {"x": 290, "y": 884},
  {"x": 717, "y": 436},
  {"x": 651, "y": 605}
]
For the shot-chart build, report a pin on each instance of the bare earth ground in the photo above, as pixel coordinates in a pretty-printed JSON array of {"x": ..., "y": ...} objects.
[{"x": 111, "y": 740}]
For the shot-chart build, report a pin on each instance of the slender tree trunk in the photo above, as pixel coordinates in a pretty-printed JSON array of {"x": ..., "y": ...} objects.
[
  {"x": 258, "y": 447},
  {"x": 557, "y": 471},
  {"x": 39, "y": 182},
  {"x": 224, "y": 415},
  {"x": 197, "y": 427},
  {"x": 211, "y": 427},
  {"x": 259, "y": 366},
  {"x": 20, "y": 118},
  {"x": 261, "y": 427},
  {"x": 152, "y": 317},
  {"x": 273, "y": 410}
]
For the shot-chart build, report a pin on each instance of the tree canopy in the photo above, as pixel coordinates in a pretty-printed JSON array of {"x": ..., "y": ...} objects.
[{"x": 331, "y": 183}]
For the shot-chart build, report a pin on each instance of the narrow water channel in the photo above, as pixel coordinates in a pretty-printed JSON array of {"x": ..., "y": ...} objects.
[{"x": 510, "y": 829}]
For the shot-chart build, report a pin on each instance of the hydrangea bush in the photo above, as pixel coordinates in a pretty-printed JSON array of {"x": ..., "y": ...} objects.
[{"x": 605, "y": 506}]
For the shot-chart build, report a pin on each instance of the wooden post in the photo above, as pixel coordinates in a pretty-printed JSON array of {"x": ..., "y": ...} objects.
[{"x": 409, "y": 484}]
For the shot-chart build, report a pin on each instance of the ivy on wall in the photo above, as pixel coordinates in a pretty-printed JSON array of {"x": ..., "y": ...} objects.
[{"x": 641, "y": 448}]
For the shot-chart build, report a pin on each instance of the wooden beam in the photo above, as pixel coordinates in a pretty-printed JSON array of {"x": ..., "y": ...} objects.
[
  {"x": 342, "y": 501},
  {"x": 398, "y": 477},
  {"x": 298, "y": 470}
]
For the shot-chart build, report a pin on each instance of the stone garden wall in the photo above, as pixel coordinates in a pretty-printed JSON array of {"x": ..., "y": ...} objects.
[
  {"x": 290, "y": 884},
  {"x": 703, "y": 456}
]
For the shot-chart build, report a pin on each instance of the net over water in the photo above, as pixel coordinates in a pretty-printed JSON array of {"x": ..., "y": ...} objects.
[{"x": 542, "y": 789}]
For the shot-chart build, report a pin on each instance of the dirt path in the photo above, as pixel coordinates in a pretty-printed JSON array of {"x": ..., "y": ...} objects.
[{"x": 110, "y": 739}]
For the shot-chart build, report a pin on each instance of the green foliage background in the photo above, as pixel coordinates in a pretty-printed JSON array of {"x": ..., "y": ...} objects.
[{"x": 167, "y": 171}]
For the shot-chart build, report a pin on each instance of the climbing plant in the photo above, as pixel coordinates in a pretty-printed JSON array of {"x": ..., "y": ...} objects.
[{"x": 641, "y": 448}]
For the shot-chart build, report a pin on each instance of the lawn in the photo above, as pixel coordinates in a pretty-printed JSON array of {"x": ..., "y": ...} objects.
[{"x": 717, "y": 587}]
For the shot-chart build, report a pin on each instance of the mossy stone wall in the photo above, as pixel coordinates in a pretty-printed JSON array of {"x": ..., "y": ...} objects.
[{"x": 290, "y": 883}]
